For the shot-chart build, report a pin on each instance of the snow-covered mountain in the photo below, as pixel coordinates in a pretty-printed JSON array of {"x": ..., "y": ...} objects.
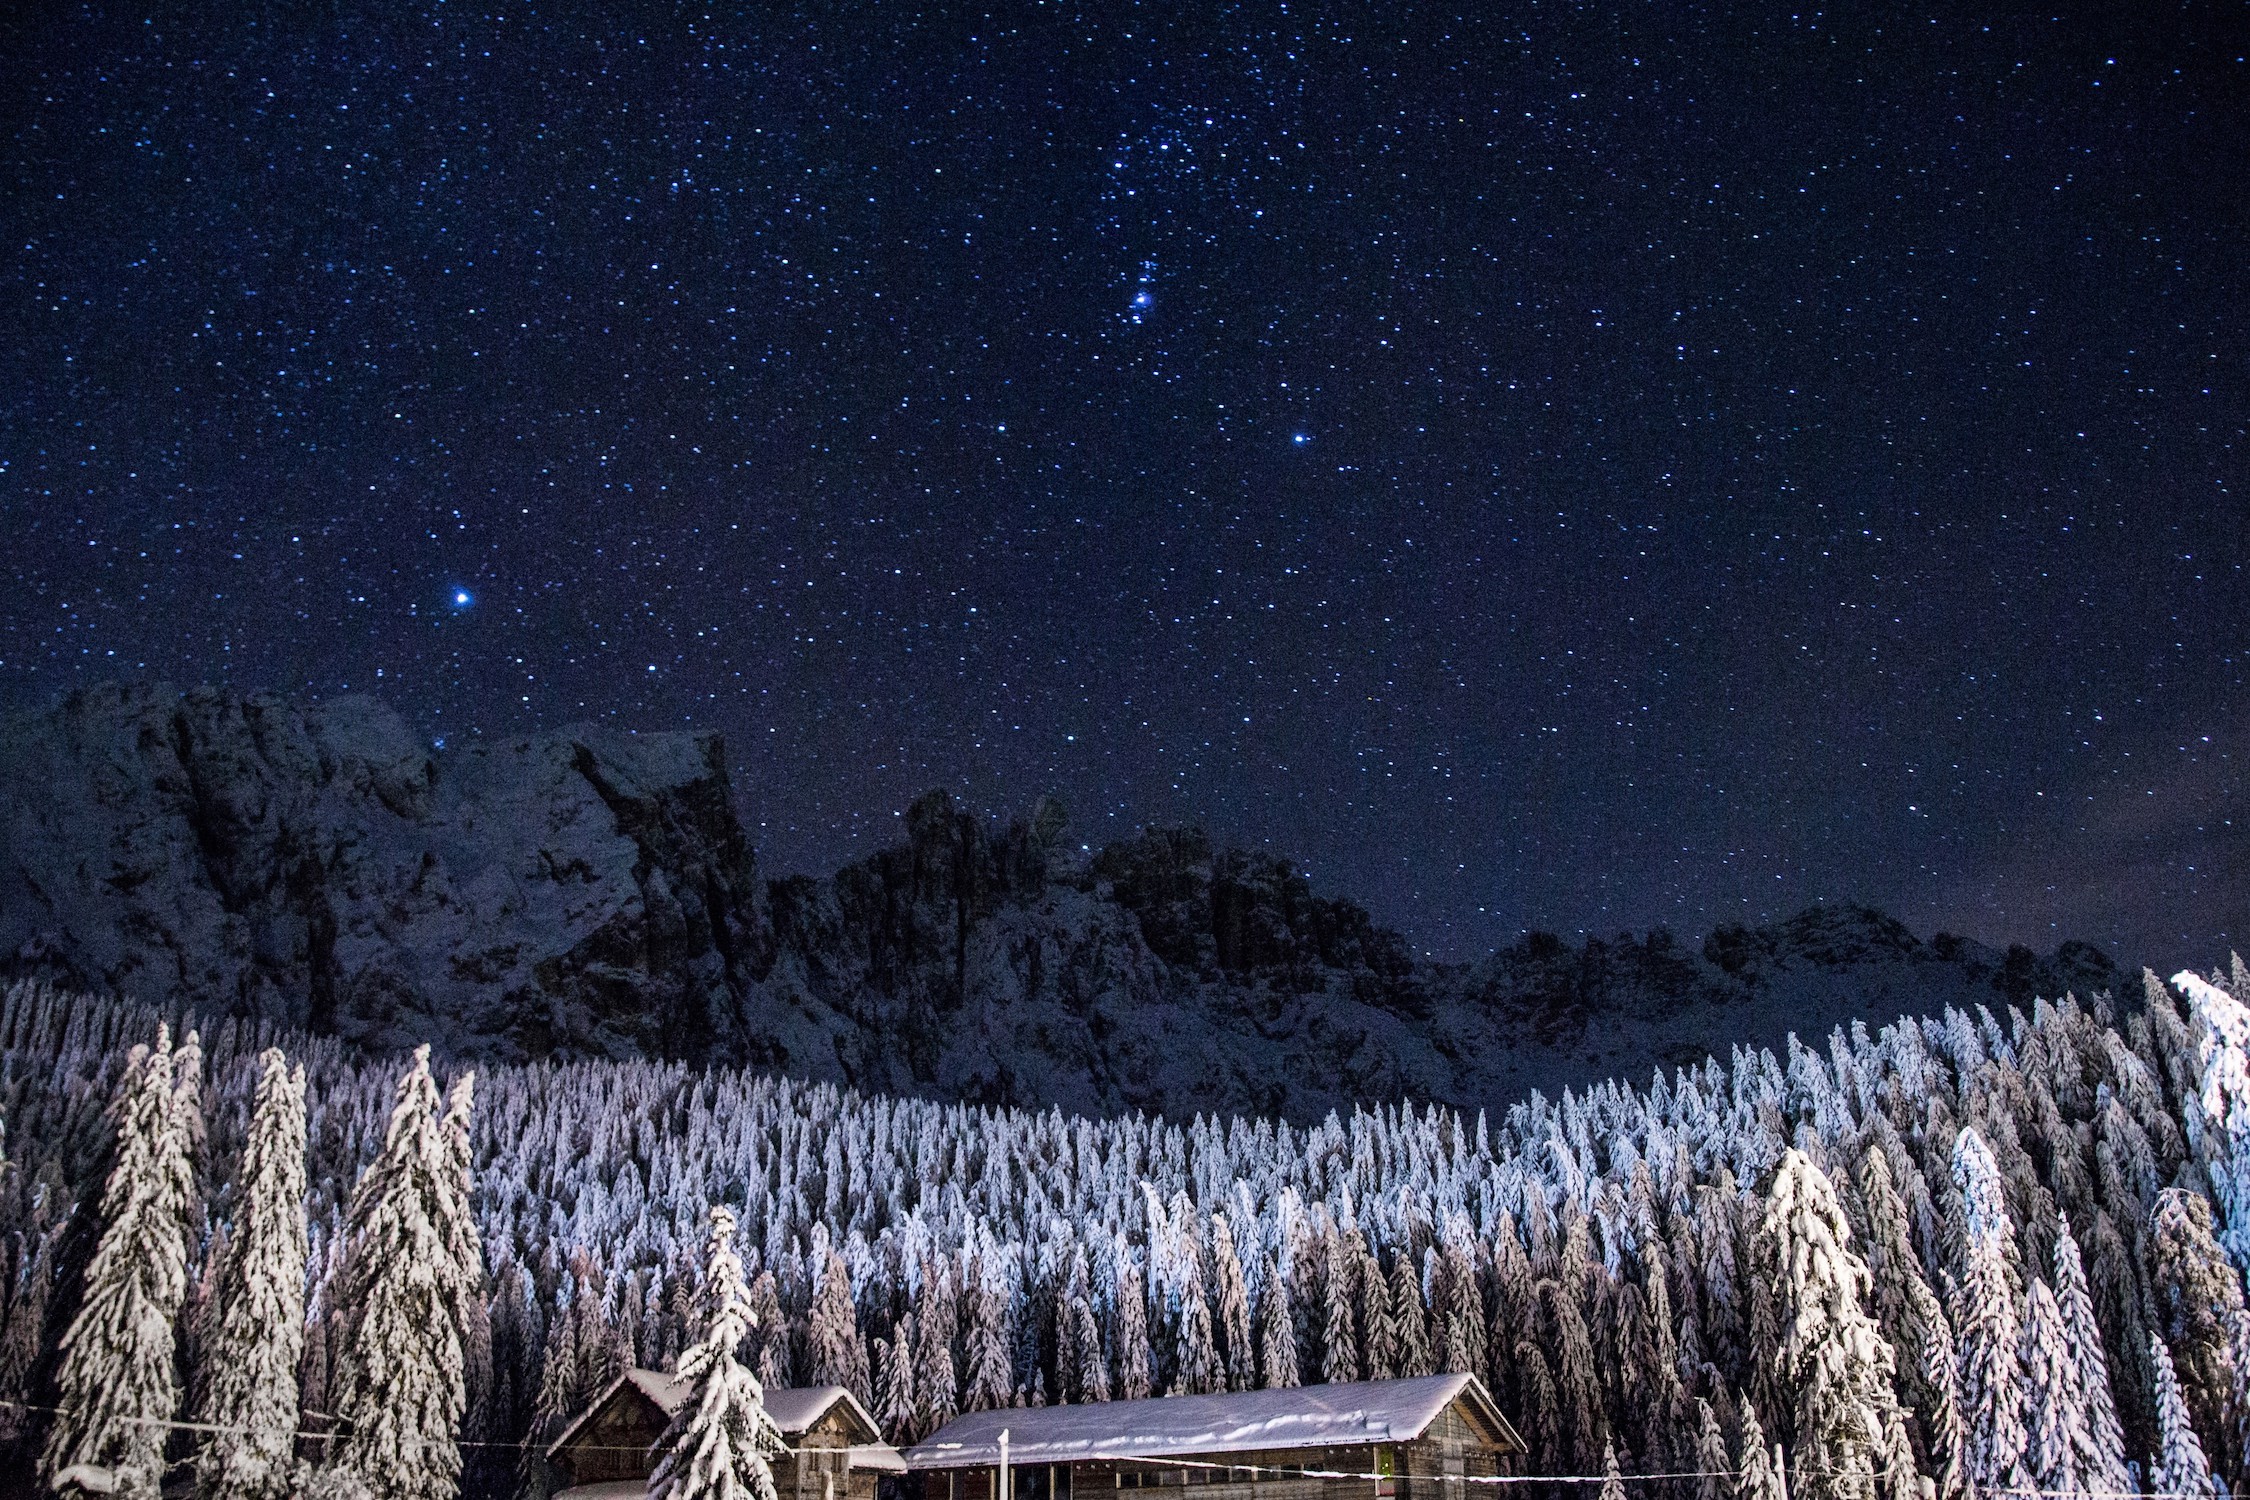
[{"x": 594, "y": 893}]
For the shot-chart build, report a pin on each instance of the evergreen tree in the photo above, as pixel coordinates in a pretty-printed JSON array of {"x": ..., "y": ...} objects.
[
  {"x": 894, "y": 1382},
  {"x": 1759, "y": 1474},
  {"x": 2180, "y": 1470},
  {"x": 1195, "y": 1365},
  {"x": 1233, "y": 1312},
  {"x": 2223, "y": 1124},
  {"x": 250, "y": 1389},
  {"x": 990, "y": 1378},
  {"x": 1277, "y": 1336},
  {"x": 1079, "y": 1359},
  {"x": 1540, "y": 1408},
  {"x": 2057, "y": 1435},
  {"x": 465, "y": 1253},
  {"x": 1712, "y": 1470},
  {"x": 1135, "y": 1376},
  {"x": 1577, "y": 1387},
  {"x": 834, "y": 1348},
  {"x": 2198, "y": 1295},
  {"x": 1832, "y": 1357},
  {"x": 1938, "y": 1383},
  {"x": 399, "y": 1387},
  {"x": 2104, "y": 1455},
  {"x": 1613, "y": 1482},
  {"x": 717, "y": 1446},
  {"x": 1986, "y": 1325},
  {"x": 1339, "y": 1349},
  {"x": 1410, "y": 1331},
  {"x": 937, "y": 1384},
  {"x": 19, "y": 1344},
  {"x": 117, "y": 1384},
  {"x": 772, "y": 1333}
]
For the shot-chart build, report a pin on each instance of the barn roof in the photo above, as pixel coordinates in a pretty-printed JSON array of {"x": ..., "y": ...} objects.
[
  {"x": 794, "y": 1409},
  {"x": 1306, "y": 1416}
]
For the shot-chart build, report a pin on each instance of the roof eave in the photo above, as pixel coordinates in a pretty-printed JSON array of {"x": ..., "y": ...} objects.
[
  {"x": 1490, "y": 1409},
  {"x": 592, "y": 1407}
]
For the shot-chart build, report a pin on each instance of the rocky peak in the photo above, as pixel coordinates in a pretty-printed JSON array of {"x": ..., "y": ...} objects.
[{"x": 594, "y": 893}]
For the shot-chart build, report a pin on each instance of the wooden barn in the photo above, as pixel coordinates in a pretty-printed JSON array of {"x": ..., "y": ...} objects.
[
  {"x": 835, "y": 1450},
  {"x": 1395, "y": 1439}
]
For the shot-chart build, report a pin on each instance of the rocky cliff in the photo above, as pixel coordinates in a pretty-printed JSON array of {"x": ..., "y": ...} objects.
[{"x": 592, "y": 893}]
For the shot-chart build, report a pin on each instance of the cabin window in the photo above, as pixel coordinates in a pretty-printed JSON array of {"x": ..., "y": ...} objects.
[{"x": 1386, "y": 1468}]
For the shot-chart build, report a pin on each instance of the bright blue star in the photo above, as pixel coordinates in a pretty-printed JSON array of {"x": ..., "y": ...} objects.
[
  {"x": 1300, "y": 438},
  {"x": 462, "y": 599}
]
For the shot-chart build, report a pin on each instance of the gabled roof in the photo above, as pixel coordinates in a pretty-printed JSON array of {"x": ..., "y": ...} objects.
[
  {"x": 1306, "y": 1416},
  {"x": 794, "y": 1410}
]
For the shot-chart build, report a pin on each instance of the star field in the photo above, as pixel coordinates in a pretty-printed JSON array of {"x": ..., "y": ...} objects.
[{"x": 1539, "y": 467}]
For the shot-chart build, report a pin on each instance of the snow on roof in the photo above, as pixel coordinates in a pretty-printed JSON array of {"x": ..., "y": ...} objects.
[
  {"x": 1306, "y": 1416},
  {"x": 608, "y": 1489},
  {"x": 794, "y": 1410},
  {"x": 669, "y": 1392},
  {"x": 881, "y": 1457}
]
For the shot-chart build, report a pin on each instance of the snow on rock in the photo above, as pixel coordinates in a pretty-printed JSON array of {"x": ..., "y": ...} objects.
[{"x": 591, "y": 893}]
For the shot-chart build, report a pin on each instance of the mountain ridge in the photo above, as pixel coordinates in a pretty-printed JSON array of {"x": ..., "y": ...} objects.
[{"x": 590, "y": 892}]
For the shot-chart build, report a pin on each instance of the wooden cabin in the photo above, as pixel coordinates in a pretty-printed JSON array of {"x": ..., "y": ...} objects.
[
  {"x": 1387, "y": 1439},
  {"x": 835, "y": 1451}
]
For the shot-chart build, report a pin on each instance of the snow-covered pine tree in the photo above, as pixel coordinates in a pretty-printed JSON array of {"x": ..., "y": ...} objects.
[
  {"x": 117, "y": 1384},
  {"x": 1832, "y": 1357},
  {"x": 1712, "y": 1470},
  {"x": 773, "y": 1336},
  {"x": 1081, "y": 1362},
  {"x": 1988, "y": 1332},
  {"x": 2180, "y": 1470},
  {"x": 1339, "y": 1348},
  {"x": 717, "y": 1446},
  {"x": 1938, "y": 1404},
  {"x": 1577, "y": 1387},
  {"x": 1277, "y": 1337},
  {"x": 2198, "y": 1295},
  {"x": 1196, "y": 1369},
  {"x": 894, "y": 1383},
  {"x": 250, "y": 1383},
  {"x": 937, "y": 1384},
  {"x": 1758, "y": 1474},
  {"x": 1410, "y": 1330},
  {"x": 2222, "y": 1130},
  {"x": 465, "y": 1254},
  {"x": 990, "y": 1376},
  {"x": 2104, "y": 1456},
  {"x": 1233, "y": 1311},
  {"x": 1379, "y": 1334},
  {"x": 556, "y": 1399},
  {"x": 19, "y": 1342},
  {"x": 1135, "y": 1364},
  {"x": 2057, "y": 1429},
  {"x": 1540, "y": 1409},
  {"x": 1613, "y": 1482},
  {"x": 833, "y": 1347},
  {"x": 400, "y": 1386}
]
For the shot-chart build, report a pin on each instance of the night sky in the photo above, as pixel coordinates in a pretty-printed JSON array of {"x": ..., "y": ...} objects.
[{"x": 1536, "y": 468}]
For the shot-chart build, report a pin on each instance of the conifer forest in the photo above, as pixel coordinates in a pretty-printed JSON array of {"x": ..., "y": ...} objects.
[{"x": 1962, "y": 1254}]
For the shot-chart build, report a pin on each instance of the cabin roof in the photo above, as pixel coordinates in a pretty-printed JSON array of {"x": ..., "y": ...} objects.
[
  {"x": 794, "y": 1409},
  {"x": 1306, "y": 1416}
]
